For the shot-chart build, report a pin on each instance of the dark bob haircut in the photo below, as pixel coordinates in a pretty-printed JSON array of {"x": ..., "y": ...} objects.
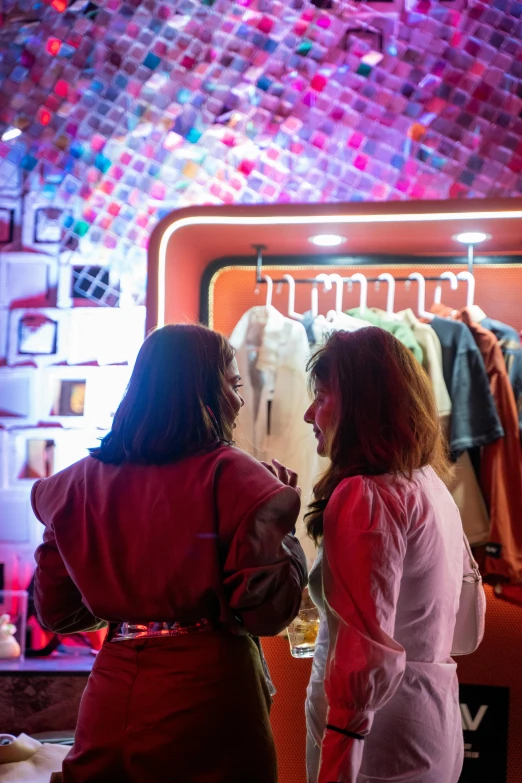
[{"x": 175, "y": 404}]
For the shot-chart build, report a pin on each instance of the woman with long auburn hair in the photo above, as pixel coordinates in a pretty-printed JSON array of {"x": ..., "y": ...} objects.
[
  {"x": 183, "y": 546},
  {"x": 382, "y": 703}
]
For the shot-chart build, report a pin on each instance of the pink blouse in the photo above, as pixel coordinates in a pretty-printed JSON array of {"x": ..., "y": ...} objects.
[{"x": 388, "y": 584}]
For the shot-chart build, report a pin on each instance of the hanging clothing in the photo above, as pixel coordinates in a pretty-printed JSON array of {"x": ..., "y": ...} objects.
[
  {"x": 509, "y": 341},
  {"x": 474, "y": 419},
  {"x": 387, "y": 585},
  {"x": 501, "y": 461},
  {"x": 501, "y": 465},
  {"x": 401, "y": 331},
  {"x": 272, "y": 352},
  {"x": 308, "y": 323},
  {"x": 515, "y": 376},
  {"x": 463, "y": 485},
  {"x": 466, "y": 493},
  {"x": 318, "y": 328},
  {"x": 345, "y": 322},
  {"x": 431, "y": 357},
  {"x": 321, "y": 329}
]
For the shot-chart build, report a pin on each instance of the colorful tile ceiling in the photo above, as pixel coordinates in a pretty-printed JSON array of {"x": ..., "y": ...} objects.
[{"x": 130, "y": 109}]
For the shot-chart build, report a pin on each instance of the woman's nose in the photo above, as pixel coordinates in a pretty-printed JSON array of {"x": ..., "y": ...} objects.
[{"x": 309, "y": 415}]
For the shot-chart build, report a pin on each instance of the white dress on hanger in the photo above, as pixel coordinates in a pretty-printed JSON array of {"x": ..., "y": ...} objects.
[
  {"x": 387, "y": 585},
  {"x": 272, "y": 352}
]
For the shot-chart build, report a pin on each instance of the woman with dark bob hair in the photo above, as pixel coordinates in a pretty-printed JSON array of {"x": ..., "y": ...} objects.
[
  {"x": 183, "y": 545},
  {"x": 382, "y": 703}
]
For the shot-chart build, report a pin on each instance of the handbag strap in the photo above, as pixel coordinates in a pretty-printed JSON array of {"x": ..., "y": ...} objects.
[{"x": 473, "y": 575}]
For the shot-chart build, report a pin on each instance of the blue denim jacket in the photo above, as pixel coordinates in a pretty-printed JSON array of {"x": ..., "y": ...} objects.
[{"x": 474, "y": 419}]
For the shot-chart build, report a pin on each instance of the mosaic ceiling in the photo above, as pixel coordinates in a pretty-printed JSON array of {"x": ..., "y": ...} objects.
[{"x": 119, "y": 111}]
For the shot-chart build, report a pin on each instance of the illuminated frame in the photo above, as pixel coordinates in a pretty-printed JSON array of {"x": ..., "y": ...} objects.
[{"x": 308, "y": 220}]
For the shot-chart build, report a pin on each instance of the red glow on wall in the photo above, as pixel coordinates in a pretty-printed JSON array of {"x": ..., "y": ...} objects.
[
  {"x": 53, "y": 46},
  {"x": 59, "y": 5},
  {"x": 61, "y": 88},
  {"x": 45, "y": 117}
]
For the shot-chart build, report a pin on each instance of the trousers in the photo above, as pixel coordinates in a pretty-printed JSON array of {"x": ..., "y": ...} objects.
[{"x": 182, "y": 709}]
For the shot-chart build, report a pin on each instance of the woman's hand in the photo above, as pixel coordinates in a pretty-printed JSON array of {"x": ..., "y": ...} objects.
[{"x": 285, "y": 475}]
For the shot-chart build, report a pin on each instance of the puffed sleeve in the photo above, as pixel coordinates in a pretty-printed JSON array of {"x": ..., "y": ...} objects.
[
  {"x": 58, "y": 601},
  {"x": 364, "y": 548},
  {"x": 264, "y": 565}
]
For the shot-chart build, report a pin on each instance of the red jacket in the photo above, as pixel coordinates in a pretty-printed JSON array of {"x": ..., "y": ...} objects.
[{"x": 208, "y": 536}]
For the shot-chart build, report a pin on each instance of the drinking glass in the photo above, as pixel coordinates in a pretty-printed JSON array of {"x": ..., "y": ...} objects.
[{"x": 302, "y": 632}]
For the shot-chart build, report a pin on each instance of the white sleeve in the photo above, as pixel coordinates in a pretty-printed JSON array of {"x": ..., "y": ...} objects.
[{"x": 364, "y": 548}]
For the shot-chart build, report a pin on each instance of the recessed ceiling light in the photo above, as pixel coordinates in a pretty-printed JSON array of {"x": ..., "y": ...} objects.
[
  {"x": 327, "y": 240},
  {"x": 471, "y": 237},
  {"x": 11, "y": 133}
]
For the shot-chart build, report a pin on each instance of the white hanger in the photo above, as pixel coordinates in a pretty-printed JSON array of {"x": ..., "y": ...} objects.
[
  {"x": 338, "y": 280},
  {"x": 454, "y": 283},
  {"x": 359, "y": 278},
  {"x": 422, "y": 295},
  {"x": 321, "y": 278},
  {"x": 390, "y": 299},
  {"x": 468, "y": 277},
  {"x": 291, "y": 298},
  {"x": 269, "y": 290}
]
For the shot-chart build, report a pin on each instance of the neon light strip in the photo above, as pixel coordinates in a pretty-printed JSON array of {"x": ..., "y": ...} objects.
[{"x": 310, "y": 220}]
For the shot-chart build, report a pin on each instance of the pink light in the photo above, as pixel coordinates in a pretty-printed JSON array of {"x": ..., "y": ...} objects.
[
  {"x": 53, "y": 46},
  {"x": 61, "y": 88}
]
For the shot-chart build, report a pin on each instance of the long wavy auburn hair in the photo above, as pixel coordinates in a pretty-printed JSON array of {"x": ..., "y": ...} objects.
[
  {"x": 175, "y": 404},
  {"x": 386, "y": 416}
]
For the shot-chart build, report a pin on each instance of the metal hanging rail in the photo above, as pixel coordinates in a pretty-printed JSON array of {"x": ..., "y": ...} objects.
[{"x": 313, "y": 281}]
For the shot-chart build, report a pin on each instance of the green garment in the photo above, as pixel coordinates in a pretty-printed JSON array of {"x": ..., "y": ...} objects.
[{"x": 401, "y": 331}]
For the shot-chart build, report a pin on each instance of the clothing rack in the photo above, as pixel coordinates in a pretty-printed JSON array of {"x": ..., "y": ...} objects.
[{"x": 260, "y": 278}]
